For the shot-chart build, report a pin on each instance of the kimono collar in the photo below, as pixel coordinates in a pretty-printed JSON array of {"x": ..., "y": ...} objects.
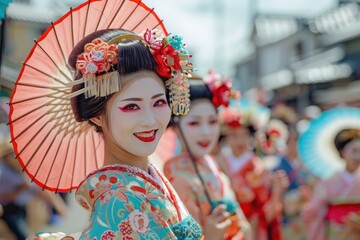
[{"x": 113, "y": 177}]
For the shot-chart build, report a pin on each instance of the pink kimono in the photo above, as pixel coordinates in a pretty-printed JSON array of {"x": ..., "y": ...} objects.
[
  {"x": 333, "y": 200},
  {"x": 181, "y": 173}
]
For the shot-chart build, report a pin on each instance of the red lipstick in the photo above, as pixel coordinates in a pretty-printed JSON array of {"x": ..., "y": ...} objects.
[{"x": 147, "y": 136}]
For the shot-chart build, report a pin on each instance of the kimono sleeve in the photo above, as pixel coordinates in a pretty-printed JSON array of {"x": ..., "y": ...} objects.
[
  {"x": 188, "y": 195},
  {"x": 126, "y": 215}
]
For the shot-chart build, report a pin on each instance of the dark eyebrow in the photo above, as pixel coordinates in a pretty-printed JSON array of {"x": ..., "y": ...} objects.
[
  {"x": 140, "y": 99},
  {"x": 132, "y": 99},
  {"x": 157, "y": 95}
]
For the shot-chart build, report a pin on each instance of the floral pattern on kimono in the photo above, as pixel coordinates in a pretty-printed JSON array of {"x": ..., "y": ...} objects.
[
  {"x": 181, "y": 173},
  {"x": 250, "y": 181},
  {"x": 127, "y": 203}
]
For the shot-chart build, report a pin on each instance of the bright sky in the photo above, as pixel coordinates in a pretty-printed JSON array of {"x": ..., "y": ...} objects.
[{"x": 220, "y": 29}]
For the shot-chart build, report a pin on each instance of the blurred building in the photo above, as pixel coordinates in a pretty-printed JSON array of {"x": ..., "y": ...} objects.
[
  {"x": 305, "y": 61},
  {"x": 25, "y": 21}
]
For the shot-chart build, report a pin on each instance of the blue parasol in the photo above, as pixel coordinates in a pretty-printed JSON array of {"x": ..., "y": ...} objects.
[{"x": 316, "y": 145}]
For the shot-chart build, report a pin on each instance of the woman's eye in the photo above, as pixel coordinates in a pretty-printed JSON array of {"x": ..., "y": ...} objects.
[
  {"x": 129, "y": 107},
  {"x": 160, "y": 102},
  {"x": 193, "y": 123},
  {"x": 213, "y": 121}
]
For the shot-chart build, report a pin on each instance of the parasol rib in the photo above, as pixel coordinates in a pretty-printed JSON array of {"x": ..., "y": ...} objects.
[
  {"x": 52, "y": 60},
  {"x": 86, "y": 18},
  {"x": 72, "y": 28},
  {"x": 33, "y": 98},
  {"x": 42, "y": 160},
  {"x": 130, "y": 15},
  {"x": 67, "y": 127},
  {"x": 46, "y": 74},
  {"x": 118, "y": 10},
  {"x": 142, "y": 19},
  {"x": 63, "y": 167},
  {"x": 85, "y": 126},
  {"x": 50, "y": 145},
  {"x": 33, "y": 137},
  {"x": 162, "y": 20},
  {"x": 76, "y": 143},
  {"x": 102, "y": 12},
  {"x": 66, "y": 114},
  {"x": 37, "y": 149},
  {"x": 43, "y": 87},
  {"x": 30, "y": 125},
  {"x": 33, "y": 110},
  {"x": 52, "y": 162},
  {"x": 75, "y": 161},
  {"x": 62, "y": 51}
]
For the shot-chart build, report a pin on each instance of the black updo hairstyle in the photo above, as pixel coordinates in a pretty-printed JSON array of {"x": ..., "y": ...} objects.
[
  {"x": 344, "y": 137},
  {"x": 133, "y": 56}
]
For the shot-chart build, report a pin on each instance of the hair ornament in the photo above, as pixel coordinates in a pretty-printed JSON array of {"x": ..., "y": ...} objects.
[
  {"x": 169, "y": 53},
  {"x": 171, "y": 58},
  {"x": 221, "y": 89}
]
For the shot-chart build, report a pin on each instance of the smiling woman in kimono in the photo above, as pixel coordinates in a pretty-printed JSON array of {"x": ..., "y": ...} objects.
[
  {"x": 195, "y": 174},
  {"x": 125, "y": 87}
]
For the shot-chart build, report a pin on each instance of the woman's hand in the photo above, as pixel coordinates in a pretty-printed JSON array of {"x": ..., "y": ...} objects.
[
  {"x": 245, "y": 195},
  {"x": 279, "y": 183},
  {"x": 216, "y": 223},
  {"x": 352, "y": 224}
]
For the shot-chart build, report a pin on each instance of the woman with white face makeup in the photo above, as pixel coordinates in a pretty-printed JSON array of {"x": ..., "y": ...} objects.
[
  {"x": 195, "y": 174},
  {"x": 258, "y": 191},
  {"x": 126, "y": 87}
]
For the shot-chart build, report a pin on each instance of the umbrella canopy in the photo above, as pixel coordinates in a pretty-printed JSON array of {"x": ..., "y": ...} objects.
[
  {"x": 316, "y": 145},
  {"x": 54, "y": 150}
]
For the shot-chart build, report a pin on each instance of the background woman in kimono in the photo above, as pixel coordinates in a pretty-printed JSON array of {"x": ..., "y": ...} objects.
[
  {"x": 258, "y": 192},
  {"x": 119, "y": 89},
  {"x": 195, "y": 175},
  {"x": 335, "y": 198}
]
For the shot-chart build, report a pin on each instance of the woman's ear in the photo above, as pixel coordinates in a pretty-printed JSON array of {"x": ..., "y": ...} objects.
[{"x": 98, "y": 120}]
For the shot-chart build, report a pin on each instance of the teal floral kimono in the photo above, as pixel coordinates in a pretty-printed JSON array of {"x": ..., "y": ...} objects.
[{"x": 128, "y": 203}]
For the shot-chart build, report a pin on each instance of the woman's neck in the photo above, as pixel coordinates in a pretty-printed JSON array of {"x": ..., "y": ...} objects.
[
  {"x": 239, "y": 152},
  {"x": 351, "y": 168},
  {"x": 116, "y": 155}
]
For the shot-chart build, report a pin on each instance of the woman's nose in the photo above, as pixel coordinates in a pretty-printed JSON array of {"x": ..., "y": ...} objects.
[
  {"x": 149, "y": 118},
  {"x": 205, "y": 128}
]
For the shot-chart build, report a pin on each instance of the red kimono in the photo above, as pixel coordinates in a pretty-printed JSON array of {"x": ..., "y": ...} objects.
[{"x": 250, "y": 181}]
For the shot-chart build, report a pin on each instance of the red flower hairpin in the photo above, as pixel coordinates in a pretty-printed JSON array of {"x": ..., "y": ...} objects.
[{"x": 221, "y": 89}]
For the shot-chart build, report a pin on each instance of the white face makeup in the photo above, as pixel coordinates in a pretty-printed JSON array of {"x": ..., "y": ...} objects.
[
  {"x": 239, "y": 140},
  {"x": 200, "y": 127},
  {"x": 138, "y": 115},
  {"x": 351, "y": 152}
]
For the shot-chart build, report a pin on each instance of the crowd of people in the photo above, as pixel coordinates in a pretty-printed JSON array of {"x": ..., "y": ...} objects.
[{"x": 229, "y": 175}]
